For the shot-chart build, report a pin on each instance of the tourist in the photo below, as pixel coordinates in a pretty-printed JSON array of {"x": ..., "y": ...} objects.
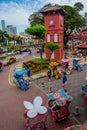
[
  {"x": 64, "y": 79},
  {"x": 0, "y": 65},
  {"x": 65, "y": 56}
]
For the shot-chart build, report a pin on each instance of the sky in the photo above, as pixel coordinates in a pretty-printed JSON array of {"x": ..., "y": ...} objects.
[{"x": 17, "y": 12}]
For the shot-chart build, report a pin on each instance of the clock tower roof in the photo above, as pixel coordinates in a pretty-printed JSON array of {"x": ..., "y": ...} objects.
[{"x": 52, "y": 10}]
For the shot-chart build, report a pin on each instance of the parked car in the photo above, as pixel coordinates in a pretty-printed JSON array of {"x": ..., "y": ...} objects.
[{"x": 9, "y": 60}]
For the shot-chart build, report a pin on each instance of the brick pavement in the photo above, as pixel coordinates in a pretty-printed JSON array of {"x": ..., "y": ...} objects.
[
  {"x": 11, "y": 97},
  {"x": 12, "y": 109}
]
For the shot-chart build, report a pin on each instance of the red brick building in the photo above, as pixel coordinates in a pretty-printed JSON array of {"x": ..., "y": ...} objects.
[
  {"x": 54, "y": 23},
  {"x": 84, "y": 34},
  {"x": 80, "y": 36}
]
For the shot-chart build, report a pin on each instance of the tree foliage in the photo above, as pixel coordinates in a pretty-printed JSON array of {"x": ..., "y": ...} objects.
[
  {"x": 73, "y": 21},
  {"x": 3, "y": 36},
  {"x": 36, "y": 19},
  {"x": 19, "y": 40},
  {"x": 52, "y": 47},
  {"x": 78, "y": 6},
  {"x": 38, "y": 31}
]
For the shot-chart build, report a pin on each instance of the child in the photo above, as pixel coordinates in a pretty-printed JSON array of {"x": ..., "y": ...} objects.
[{"x": 64, "y": 79}]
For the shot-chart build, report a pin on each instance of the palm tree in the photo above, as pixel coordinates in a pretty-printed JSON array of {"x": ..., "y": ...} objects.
[
  {"x": 3, "y": 36},
  {"x": 52, "y": 47},
  {"x": 19, "y": 40}
]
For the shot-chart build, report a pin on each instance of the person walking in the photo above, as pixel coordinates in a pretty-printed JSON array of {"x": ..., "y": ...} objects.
[
  {"x": 64, "y": 79},
  {"x": 49, "y": 74},
  {"x": 0, "y": 65}
]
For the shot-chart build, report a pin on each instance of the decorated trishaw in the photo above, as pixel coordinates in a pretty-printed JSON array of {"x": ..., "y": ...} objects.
[
  {"x": 58, "y": 103},
  {"x": 55, "y": 70},
  {"x": 76, "y": 65},
  {"x": 35, "y": 114},
  {"x": 84, "y": 88},
  {"x": 65, "y": 66},
  {"x": 20, "y": 81}
]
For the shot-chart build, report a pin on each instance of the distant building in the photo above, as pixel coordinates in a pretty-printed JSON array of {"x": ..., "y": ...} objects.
[
  {"x": 26, "y": 37},
  {"x": 11, "y": 30},
  {"x": 3, "y": 25},
  {"x": 14, "y": 30}
]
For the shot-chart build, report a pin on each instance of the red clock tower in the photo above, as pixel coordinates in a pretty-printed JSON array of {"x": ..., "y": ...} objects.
[{"x": 54, "y": 23}]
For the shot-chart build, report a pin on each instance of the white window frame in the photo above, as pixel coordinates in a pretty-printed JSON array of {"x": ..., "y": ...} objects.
[
  {"x": 55, "y": 37},
  {"x": 51, "y": 22},
  {"x": 52, "y": 56},
  {"x": 48, "y": 37}
]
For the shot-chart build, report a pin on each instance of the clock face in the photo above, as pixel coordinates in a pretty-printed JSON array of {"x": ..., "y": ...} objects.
[{"x": 51, "y": 22}]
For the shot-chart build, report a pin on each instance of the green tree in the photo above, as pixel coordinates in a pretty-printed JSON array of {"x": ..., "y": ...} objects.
[
  {"x": 78, "y": 6},
  {"x": 36, "y": 19},
  {"x": 39, "y": 32},
  {"x": 14, "y": 39},
  {"x": 3, "y": 36},
  {"x": 19, "y": 40},
  {"x": 72, "y": 21},
  {"x": 52, "y": 47}
]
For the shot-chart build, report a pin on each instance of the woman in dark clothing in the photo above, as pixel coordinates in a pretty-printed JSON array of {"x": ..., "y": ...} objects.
[
  {"x": 0, "y": 65},
  {"x": 64, "y": 79},
  {"x": 49, "y": 74}
]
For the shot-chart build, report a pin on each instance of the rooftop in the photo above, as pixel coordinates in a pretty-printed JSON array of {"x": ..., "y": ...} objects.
[{"x": 53, "y": 8}]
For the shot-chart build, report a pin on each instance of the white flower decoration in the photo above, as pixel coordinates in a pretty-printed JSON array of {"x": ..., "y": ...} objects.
[{"x": 35, "y": 108}]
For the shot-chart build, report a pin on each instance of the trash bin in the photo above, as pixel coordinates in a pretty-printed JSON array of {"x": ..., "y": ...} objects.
[
  {"x": 85, "y": 100},
  {"x": 28, "y": 73}
]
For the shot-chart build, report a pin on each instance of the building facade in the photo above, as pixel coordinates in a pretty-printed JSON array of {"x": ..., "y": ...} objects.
[
  {"x": 3, "y": 25},
  {"x": 54, "y": 23},
  {"x": 10, "y": 29}
]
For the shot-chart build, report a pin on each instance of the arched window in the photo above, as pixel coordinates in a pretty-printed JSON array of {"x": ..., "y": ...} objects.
[
  {"x": 48, "y": 37},
  {"x": 52, "y": 56},
  {"x": 55, "y": 37}
]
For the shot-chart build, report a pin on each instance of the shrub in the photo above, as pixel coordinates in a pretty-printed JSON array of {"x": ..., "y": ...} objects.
[
  {"x": 41, "y": 61},
  {"x": 27, "y": 65},
  {"x": 36, "y": 64},
  {"x": 39, "y": 67}
]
